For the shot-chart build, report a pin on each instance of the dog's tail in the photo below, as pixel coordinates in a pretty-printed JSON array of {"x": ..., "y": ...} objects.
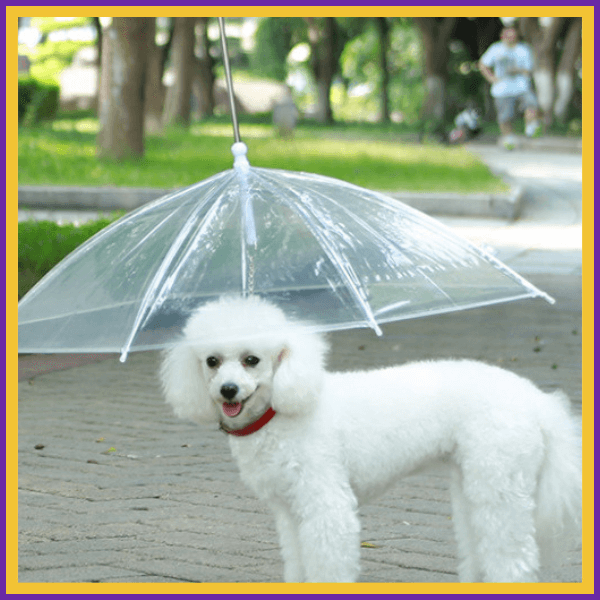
[{"x": 559, "y": 494}]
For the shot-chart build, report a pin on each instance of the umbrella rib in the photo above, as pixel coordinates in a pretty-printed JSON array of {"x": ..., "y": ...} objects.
[
  {"x": 344, "y": 268},
  {"x": 206, "y": 222},
  {"x": 387, "y": 243},
  {"x": 150, "y": 295},
  {"x": 157, "y": 285},
  {"x": 153, "y": 205},
  {"x": 149, "y": 235}
]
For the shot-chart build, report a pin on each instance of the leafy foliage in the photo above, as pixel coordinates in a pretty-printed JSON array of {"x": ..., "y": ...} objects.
[
  {"x": 275, "y": 37},
  {"x": 465, "y": 85},
  {"x": 48, "y": 24},
  {"x": 361, "y": 70},
  {"x": 49, "y": 58},
  {"x": 37, "y": 100}
]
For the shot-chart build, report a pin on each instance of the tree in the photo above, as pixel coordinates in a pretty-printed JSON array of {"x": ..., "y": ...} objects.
[
  {"x": 324, "y": 61},
  {"x": 121, "y": 98},
  {"x": 405, "y": 60},
  {"x": 177, "y": 103},
  {"x": 275, "y": 37},
  {"x": 203, "y": 78},
  {"x": 154, "y": 92},
  {"x": 436, "y": 33},
  {"x": 565, "y": 72},
  {"x": 383, "y": 28},
  {"x": 543, "y": 40},
  {"x": 545, "y": 36},
  {"x": 326, "y": 37},
  {"x": 98, "y": 29},
  {"x": 374, "y": 57}
]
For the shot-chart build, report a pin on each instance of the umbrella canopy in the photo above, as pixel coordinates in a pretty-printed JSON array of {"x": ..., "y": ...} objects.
[{"x": 328, "y": 252}]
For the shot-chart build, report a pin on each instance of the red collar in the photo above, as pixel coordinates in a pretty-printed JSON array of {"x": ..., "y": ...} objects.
[{"x": 260, "y": 422}]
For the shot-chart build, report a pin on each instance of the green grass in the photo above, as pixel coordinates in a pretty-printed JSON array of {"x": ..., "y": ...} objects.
[
  {"x": 43, "y": 244},
  {"x": 64, "y": 153}
]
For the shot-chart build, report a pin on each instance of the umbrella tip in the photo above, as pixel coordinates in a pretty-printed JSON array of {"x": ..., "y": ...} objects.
[{"x": 239, "y": 151}]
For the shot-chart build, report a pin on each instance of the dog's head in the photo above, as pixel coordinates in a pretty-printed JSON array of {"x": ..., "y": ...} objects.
[{"x": 237, "y": 358}]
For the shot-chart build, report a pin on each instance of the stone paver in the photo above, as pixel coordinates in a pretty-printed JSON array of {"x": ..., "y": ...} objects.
[{"x": 113, "y": 488}]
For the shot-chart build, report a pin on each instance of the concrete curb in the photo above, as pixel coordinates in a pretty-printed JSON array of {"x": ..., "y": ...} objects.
[
  {"x": 501, "y": 206},
  {"x": 86, "y": 198},
  {"x": 505, "y": 206},
  {"x": 547, "y": 144}
]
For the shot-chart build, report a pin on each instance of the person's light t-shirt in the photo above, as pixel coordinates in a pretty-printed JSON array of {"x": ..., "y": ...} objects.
[{"x": 503, "y": 59}]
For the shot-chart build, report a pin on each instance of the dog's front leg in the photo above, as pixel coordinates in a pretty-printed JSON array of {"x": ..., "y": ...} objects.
[
  {"x": 287, "y": 528},
  {"x": 329, "y": 535}
]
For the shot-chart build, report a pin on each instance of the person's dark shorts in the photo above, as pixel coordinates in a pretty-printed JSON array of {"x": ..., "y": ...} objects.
[{"x": 506, "y": 108}]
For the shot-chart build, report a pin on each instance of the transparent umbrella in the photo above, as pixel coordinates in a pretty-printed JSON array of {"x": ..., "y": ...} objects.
[{"x": 329, "y": 253}]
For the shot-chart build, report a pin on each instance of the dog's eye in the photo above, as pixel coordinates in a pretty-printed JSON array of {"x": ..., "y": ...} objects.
[
  {"x": 212, "y": 362},
  {"x": 251, "y": 361}
]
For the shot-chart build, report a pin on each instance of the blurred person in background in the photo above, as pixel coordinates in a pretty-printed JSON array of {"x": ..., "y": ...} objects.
[{"x": 508, "y": 65}]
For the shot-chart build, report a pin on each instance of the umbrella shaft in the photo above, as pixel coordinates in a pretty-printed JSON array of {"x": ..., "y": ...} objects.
[
  {"x": 250, "y": 279},
  {"x": 236, "y": 129}
]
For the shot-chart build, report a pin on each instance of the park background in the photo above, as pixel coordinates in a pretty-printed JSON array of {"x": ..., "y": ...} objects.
[
  {"x": 421, "y": 133},
  {"x": 369, "y": 100}
]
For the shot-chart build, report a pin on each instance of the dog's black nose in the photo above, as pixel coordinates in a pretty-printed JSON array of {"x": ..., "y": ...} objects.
[{"x": 229, "y": 390}]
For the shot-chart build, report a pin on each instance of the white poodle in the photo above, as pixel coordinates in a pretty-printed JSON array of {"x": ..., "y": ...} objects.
[{"x": 315, "y": 444}]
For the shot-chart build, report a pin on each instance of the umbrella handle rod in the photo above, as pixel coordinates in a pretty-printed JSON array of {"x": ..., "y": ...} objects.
[{"x": 236, "y": 129}]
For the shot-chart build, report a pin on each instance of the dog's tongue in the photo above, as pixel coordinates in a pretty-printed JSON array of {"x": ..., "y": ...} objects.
[{"x": 232, "y": 410}]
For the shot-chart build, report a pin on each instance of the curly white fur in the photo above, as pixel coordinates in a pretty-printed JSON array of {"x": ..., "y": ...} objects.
[{"x": 340, "y": 439}]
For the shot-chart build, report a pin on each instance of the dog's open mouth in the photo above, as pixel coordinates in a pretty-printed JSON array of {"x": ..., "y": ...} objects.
[{"x": 232, "y": 409}]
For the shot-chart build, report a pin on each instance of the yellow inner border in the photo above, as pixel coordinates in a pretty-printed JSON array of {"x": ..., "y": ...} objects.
[{"x": 12, "y": 584}]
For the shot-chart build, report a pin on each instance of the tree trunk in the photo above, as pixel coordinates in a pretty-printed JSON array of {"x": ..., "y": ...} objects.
[
  {"x": 543, "y": 40},
  {"x": 121, "y": 111},
  {"x": 155, "y": 91},
  {"x": 98, "y": 29},
  {"x": 383, "y": 28},
  {"x": 177, "y": 104},
  {"x": 435, "y": 102},
  {"x": 203, "y": 80},
  {"x": 321, "y": 36},
  {"x": 435, "y": 33},
  {"x": 565, "y": 73}
]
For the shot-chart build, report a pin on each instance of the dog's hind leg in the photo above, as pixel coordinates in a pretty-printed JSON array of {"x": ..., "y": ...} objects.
[
  {"x": 502, "y": 520},
  {"x": 468, "y": 570}
]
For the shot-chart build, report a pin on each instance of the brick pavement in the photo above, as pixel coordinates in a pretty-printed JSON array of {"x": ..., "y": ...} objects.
[{"x": 113, "y": 488}]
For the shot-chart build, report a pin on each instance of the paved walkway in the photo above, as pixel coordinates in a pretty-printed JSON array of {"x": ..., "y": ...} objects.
[{"x": 113, "y": 488}]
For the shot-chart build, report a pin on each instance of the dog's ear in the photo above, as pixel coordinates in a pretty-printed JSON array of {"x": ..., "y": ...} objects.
[
  {"x": 184, "y": 385},
  {"x": 299, "y": 373}
]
